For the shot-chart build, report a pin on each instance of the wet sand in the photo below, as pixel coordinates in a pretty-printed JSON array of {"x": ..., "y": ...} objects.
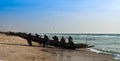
[
  {"x": 78, "y": 55},
  {"x": 13, "y": 48}
]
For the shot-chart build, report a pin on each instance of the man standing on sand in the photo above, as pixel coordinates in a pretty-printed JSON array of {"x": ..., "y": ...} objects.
[
  {"x": 46, "y": 39},
  {"x": 29, "y": 36}
]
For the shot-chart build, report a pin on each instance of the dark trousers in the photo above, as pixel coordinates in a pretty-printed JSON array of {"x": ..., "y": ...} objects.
[
  {"x": 44, "y": 43},
  {"x": 29, "y": 42}
]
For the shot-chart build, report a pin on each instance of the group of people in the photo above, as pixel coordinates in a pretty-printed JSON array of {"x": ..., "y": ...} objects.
[
  {"x": 56, "y": 41},
  {"x": 46, "y": 41}
]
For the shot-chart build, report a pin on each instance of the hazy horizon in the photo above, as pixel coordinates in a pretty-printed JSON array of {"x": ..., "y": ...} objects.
[{"x": 63, "y": 16}]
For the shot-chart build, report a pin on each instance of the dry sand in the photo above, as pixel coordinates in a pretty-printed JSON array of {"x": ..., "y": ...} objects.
[{"x": 13, "y": 48}]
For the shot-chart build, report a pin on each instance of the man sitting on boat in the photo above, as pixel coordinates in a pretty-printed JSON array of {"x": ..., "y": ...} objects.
[
  {"x": 62, "y": 42},
  {"x": 56, "y": 40},
  {"x": 70, "y": 42}
]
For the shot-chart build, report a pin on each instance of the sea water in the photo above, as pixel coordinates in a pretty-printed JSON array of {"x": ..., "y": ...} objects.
[{"x": 104, "y": 43}]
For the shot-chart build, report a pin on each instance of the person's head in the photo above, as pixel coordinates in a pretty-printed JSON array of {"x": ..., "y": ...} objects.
[
  {"x": 70, "y": 37},
  {"x": 62, "y": 36},
  {"x": 55, "y": 36}
]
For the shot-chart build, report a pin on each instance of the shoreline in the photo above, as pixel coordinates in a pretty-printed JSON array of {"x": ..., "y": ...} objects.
[
  {"x": 12, "y": 47},
  {"x": 116, "y": 56},
  {"x": 78, "y": 55}
]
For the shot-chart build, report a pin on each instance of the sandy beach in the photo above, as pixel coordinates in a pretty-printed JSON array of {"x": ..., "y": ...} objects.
[{"x": 13, "y": 48}]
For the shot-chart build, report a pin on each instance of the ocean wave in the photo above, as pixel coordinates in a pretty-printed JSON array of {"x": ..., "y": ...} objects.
[
  {"x": 115, "y": 56},
  {"x": 94, "y": 50}
]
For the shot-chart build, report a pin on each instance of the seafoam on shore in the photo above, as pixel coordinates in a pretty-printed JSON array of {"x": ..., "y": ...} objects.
[{"x": 116, "y": 56}]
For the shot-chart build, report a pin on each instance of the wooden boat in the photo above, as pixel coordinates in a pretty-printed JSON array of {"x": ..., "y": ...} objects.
[{"x": 41, "y": 41}]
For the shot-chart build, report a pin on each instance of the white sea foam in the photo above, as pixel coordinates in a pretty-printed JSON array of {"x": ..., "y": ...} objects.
[
  {"x": 117, "y": 56},
  {"x": 94, "y": 50}
]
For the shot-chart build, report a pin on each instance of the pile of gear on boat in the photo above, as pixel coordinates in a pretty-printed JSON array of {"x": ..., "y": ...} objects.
[{"x": 45, "y": 41}]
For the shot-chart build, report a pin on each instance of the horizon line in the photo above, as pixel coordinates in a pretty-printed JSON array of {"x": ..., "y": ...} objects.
[{"x": 68, "y": 32}]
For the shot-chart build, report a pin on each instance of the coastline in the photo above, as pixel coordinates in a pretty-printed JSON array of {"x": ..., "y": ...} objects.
[
  {"x": 13, "y": 48},
  {"x": 78, "y": 55}
]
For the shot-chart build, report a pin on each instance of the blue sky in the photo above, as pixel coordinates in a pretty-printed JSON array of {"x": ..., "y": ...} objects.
[{"x": 73, "y": 16}]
